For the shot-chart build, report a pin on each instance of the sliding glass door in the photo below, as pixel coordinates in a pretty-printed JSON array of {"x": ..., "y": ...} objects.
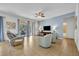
[
  {"x": 24, "y": 27},
  {"x": 29, "y": 27}
]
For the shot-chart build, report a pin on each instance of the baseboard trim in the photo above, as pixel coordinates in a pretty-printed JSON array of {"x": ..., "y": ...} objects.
[
  {"x": 66, "y": 38},
  {"x": 69, "y": 38}
]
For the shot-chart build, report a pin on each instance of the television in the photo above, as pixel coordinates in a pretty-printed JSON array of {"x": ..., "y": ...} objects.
[{"x": 47, "y": 28}]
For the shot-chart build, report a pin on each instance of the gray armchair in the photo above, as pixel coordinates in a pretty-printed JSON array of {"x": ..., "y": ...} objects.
[
  {"x": 45, "y": 41},
  {"x": 54, "y": 37},
  {"x": 15, "y": 40}
]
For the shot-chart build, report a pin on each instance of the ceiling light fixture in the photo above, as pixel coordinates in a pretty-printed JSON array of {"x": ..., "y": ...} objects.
[{"x": 39, "y": 13}]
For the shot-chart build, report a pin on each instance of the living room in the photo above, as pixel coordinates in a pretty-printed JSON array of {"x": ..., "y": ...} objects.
[{"x": 32, "y": 24}]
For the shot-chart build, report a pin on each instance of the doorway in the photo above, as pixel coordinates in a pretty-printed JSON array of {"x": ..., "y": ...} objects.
[
  {"x": 69, "y": 27},
  {"x": 64, "y": 29}
]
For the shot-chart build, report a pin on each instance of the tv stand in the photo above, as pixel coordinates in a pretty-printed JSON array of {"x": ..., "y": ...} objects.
[{"x": 44, "y": 32}]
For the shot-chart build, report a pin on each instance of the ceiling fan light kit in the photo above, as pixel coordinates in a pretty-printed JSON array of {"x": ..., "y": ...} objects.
[{"x": 39, "y": 14}]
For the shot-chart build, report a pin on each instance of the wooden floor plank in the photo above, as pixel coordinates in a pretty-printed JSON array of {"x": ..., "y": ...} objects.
[{"x": 62, "y": 47}]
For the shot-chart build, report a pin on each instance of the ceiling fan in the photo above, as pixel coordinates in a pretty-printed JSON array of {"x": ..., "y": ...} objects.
[{"x": 40, "y": 13}]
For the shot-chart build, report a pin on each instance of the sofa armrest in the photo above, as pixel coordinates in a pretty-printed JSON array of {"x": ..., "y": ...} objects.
[{"x": 16, "y": 38}]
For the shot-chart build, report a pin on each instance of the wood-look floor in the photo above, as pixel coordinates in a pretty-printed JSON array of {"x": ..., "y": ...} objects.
[{"x": 64, "y": 47}]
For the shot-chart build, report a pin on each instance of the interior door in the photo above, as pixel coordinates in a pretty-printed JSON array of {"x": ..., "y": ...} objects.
[{"x": 65, "y": 29}]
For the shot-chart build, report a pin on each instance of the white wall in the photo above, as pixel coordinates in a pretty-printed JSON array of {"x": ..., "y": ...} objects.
[
  {"x": 77, "y": 30},
  {"x": 14, "y": 20}
]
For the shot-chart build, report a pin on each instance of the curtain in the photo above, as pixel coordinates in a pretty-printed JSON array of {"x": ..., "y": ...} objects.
[{"x": 1, "y": 28}]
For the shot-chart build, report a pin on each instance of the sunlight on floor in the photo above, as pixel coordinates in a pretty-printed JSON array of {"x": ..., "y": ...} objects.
[
  {"x": 64, "y": 44},
  {"x": 31, "y": 41},
  {"x": 28, "y": 42},
  {"x": 65, "y": 35}
]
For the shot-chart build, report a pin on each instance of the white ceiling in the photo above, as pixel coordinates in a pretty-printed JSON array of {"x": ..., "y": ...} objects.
[{"x": 28, "y": 10}]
